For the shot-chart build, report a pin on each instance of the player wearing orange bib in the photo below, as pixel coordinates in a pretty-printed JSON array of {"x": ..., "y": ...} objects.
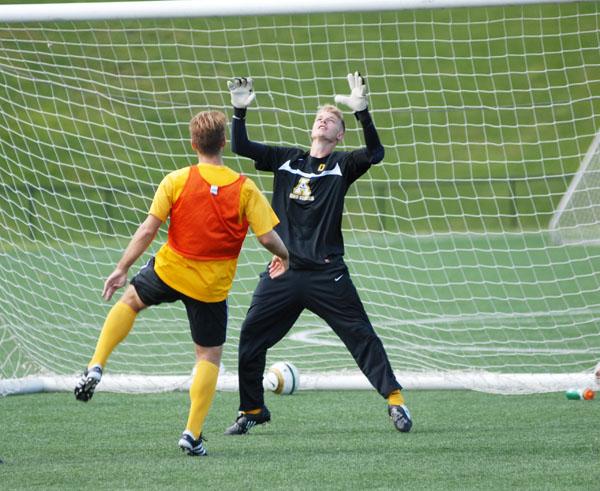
[{"x": 209, "y": 208}]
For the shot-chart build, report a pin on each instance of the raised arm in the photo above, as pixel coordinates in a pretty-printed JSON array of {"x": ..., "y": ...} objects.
[
  {"x": 357, "y": 102},
  {"x": 374, "y": 151},
  {"x": 242, "y": 95}
]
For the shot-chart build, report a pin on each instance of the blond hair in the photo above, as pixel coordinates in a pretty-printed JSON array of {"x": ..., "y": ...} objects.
[
  {"x": 207, "y": 129},
  {"x": 335, "y": 111}
]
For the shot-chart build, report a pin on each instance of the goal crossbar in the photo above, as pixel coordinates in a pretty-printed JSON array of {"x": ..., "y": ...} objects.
[{"x": 191, "y": 8}]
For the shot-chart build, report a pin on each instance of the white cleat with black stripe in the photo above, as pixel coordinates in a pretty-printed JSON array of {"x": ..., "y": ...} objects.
[
  {"x": 191, "y": 446},
  {"x": 400, "y": 416},
  {"x": 84, "y": 390}
]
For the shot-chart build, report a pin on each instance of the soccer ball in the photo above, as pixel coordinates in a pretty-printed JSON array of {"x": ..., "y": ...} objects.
[{"x": 282, "y": 378}]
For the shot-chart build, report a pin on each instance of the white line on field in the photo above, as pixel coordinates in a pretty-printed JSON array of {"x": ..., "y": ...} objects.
[{"x": 308, "y": 337}]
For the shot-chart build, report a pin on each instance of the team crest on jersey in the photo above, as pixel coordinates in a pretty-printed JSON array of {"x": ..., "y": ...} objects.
[
  {"x": 302, "y": 191},
  {"x": 321, "y": 167}
]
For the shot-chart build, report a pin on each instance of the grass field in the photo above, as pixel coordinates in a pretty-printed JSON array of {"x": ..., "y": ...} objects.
[
  {"x": 485, "y": 114},
  {"x": 317, "y": 440}
]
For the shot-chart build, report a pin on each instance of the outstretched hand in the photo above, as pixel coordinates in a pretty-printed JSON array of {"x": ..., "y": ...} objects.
[
  {"x": 357, "y": 100},
  {"x": 241, "y": 92},
  {"x": 116, "y": 280},
  {"x": 278, "y": 266}
]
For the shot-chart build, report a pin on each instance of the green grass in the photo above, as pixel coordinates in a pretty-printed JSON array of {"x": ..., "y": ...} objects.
[
  {"x": 485, "y": 114},
  {"x": 317, "y": 440}
]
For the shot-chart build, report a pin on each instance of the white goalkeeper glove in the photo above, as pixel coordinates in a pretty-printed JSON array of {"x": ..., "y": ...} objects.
[
  {"x": 357, "y": 100},
  {"x": 241, "y": 92}
]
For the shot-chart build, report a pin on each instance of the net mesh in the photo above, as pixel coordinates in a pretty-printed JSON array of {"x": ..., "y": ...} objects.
[{"x": 485, "y": 114}]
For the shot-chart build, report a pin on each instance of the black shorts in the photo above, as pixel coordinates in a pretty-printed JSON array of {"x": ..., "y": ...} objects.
[{"x": 208, "y": 321}]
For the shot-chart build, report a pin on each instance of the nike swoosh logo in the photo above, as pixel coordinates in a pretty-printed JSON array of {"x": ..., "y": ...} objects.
[{"x": 338, "y": 278}]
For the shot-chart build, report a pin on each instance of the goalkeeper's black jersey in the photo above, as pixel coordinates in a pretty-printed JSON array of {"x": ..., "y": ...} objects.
[{"x": 308, "y": 192}]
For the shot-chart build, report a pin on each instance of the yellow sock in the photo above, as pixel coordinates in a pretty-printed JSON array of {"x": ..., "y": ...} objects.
[
  {"x": 253, "y": 411},
  {"x": 202, "y": 393},
  {"x": 395, "y": 398},
  {"x": 117, "y": 325}
]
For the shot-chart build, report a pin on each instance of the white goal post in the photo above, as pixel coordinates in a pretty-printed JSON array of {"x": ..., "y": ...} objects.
[
  {"x": 486, "y": 109},
  {"x": 577, "y": 217}
]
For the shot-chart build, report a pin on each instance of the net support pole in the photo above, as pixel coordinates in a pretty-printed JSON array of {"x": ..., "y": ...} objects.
[
  {"x": 592, "y": 149},
  {"x": 483, "y": 381}
]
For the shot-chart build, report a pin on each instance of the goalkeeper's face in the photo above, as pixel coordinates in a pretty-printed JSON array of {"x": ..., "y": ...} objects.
[{"x": 328, "y": 126}]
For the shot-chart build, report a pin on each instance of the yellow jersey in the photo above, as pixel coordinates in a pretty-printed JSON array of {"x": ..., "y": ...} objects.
[{"x": 207, "y": 281}]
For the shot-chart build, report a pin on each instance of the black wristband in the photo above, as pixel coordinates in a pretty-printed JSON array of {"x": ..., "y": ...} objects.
[
  {"x": 363, "y": 115},
  {"x": 239, "y": 112}
]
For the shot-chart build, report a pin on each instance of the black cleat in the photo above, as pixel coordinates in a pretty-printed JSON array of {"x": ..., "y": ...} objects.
[
  {"x": 244, "y": 422},
  {"x": 400, "y": 417},
  {"x": 84, "y": 390},
  {"x": 191, "y": 446}
]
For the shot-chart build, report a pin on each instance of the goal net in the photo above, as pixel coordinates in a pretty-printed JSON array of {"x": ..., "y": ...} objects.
[{"x": 486, "y": 114}]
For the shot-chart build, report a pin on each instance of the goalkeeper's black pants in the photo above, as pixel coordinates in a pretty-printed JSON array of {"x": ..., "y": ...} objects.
[{"x": 277, "y": 304}]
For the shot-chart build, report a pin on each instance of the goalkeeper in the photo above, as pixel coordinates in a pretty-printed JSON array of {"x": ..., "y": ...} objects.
[
  {"x": 210, "y": 208},
  {"x": 308, "y": 196}
]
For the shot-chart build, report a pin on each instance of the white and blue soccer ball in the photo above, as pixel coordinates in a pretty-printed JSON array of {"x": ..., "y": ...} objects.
[{"x": 282, "y": 378}]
